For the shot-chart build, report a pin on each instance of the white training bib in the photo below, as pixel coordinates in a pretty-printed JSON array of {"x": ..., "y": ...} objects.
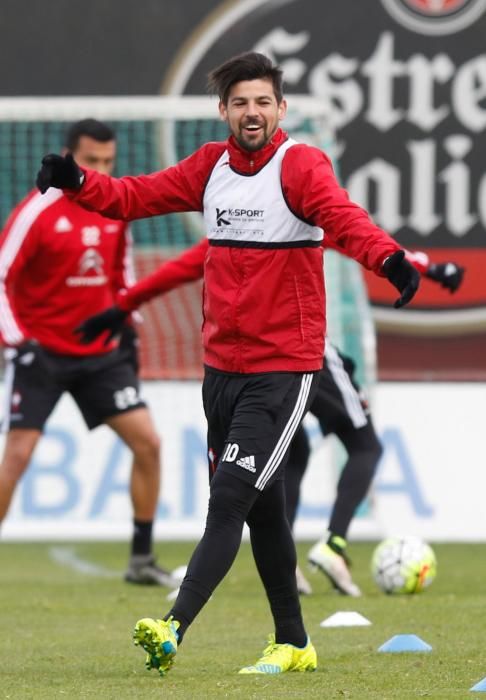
[{"x": 251, "y": 209}]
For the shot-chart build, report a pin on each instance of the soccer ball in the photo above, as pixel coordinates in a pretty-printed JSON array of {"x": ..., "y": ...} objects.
[{"x": 403, "y": 565}]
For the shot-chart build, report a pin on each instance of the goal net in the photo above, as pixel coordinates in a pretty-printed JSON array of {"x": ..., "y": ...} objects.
[{"x": 152, "y": 133}]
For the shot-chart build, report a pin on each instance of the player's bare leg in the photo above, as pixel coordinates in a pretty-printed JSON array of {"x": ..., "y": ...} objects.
[
  {"x": 137, "y": 431},
  {"x": 19, "y": 446}
]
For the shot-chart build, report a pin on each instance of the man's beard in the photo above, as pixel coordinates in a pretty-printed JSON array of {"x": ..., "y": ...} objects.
[{"x": 253, "y": 145}]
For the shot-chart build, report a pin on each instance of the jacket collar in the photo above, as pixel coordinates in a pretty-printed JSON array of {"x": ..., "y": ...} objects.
[{"x": 252, "y": 161}]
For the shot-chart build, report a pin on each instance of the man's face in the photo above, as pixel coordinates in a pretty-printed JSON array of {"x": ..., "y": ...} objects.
[
  {"x": 253, "y": 113},
  {"x": 97, "y": 155}
]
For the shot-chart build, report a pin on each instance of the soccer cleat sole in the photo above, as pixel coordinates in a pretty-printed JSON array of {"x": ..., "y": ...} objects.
[
  {"x": 268, "y": 670},
  {"x": 160, "y": 655},
  {"x": 283, "y": 658}
]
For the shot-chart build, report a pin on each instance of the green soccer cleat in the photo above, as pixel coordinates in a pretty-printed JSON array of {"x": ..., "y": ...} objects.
[
  {"x": 159, "y": 639},
  {"x": 279, "y": 658}
]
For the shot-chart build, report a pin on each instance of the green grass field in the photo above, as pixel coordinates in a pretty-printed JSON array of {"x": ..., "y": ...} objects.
[{"x": 67, "y": 634}]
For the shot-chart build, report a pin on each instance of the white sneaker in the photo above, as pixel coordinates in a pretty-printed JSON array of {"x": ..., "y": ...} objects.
[
  {"x": 303, "y": 585},
  {"x": 334, "y": 566}
]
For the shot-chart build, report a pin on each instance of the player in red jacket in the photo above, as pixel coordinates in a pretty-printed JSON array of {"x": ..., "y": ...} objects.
[
  {"x": 59, "y": 262},
  {"x": 266, "y": 201}
]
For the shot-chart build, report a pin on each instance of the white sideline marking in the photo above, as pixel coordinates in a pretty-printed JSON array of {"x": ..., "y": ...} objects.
[{"x": 66, "y": 556}]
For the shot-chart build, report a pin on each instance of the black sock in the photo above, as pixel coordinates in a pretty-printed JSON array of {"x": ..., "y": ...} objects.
[
  {"x": 289, "y": 628},
  {"x": 142, "y": 537},
  {"x": 364, "y": 451},
  {"x": 276, "y": 559},
  {"x": 299, "y": 453},
  {"x": 229, "y": 502}
]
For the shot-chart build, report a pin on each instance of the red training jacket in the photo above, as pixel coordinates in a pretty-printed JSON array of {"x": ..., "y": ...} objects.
[
  {"x": 263, "y": 308},
  {"x": 58, "y": 264},
  {"x": 189, "y": 267}
]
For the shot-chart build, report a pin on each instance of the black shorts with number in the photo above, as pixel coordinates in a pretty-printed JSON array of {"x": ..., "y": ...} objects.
[
  {"x": 252, "y": 419},
  {"x": 102, "y": 386}
]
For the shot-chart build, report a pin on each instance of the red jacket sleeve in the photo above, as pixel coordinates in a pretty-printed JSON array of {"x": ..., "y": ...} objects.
[
  {"x": 417, "y": 258},
  {"x": 17, "y": 245},
  {"x": 176, "y": 189},
  {"x": 187, "y": 267},
  {"x": 314, "y": 194}
]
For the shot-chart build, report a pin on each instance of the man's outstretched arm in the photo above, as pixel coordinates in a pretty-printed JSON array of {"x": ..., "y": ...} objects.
[
  {"x": 448, "y": 274},
  {"x": 179, "y": 188}
]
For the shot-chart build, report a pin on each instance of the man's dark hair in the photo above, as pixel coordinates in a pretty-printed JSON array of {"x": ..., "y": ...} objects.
[
  {"x": 245, "y": 66},
  {"x": 87, "y": 127}
]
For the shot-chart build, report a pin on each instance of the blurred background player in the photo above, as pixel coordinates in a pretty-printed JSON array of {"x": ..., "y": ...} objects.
[
  {"x": 342, "y": 409},
  {"x": 58, "y": 263}
]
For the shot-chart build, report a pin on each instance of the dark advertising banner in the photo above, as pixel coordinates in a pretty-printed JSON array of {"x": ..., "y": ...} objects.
[
  {"x": 405, "y": 85},
  {"x": 403, "y": 81}
]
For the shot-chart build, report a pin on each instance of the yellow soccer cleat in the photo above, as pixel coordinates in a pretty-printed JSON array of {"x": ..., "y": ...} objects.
[
  {"x": 159, "y": 639},
  {"x": 279, "y": 658}
]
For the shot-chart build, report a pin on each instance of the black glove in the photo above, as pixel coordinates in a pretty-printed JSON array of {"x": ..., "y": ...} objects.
[
  {"x": 59, "y": 171},
  {"x": 448, "y": 275},
  {"x": 110, "y": 320},
  {"x": 403, "y": 276}
]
